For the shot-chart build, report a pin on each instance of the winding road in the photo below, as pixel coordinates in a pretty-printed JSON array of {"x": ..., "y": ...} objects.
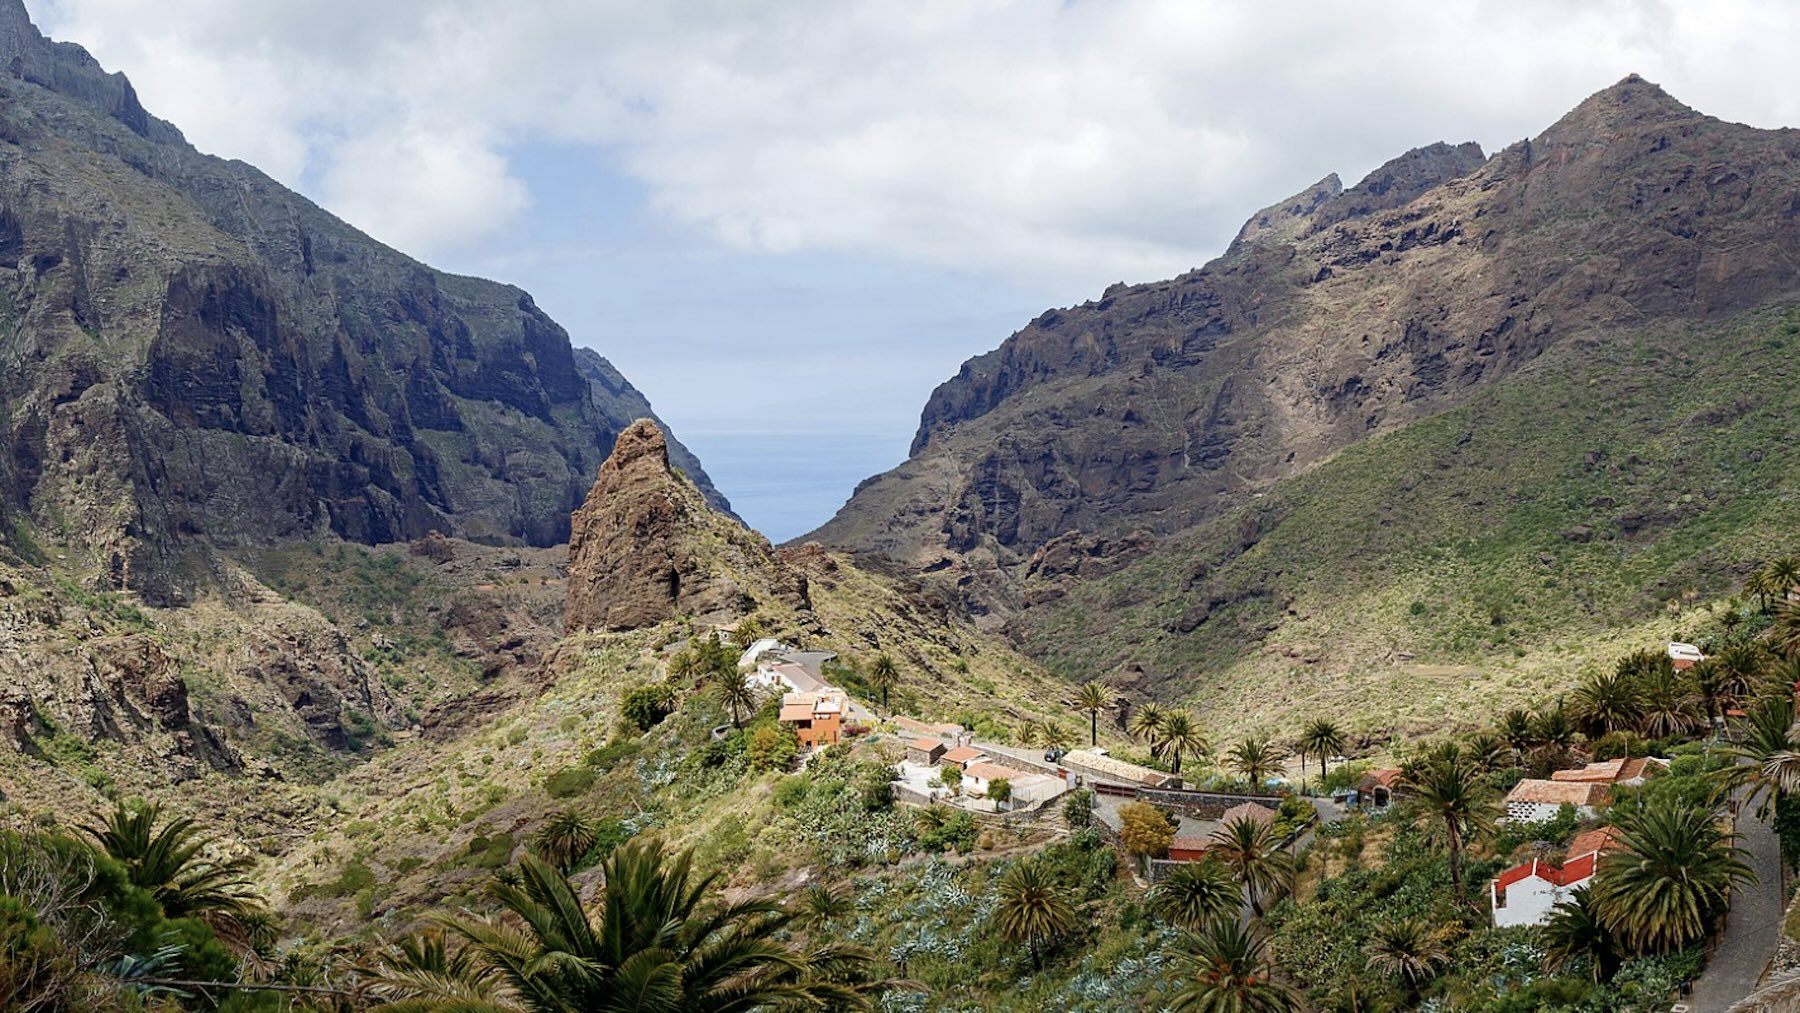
[{"x": 1752, "y": 930}]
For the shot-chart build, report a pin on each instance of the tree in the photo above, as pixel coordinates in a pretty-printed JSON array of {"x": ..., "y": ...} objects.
[
  {"x": 1713, "y": 685},
  {"x": 1078, "y": 809},
  {"x": 1181, "y": 738},
  {"x": 1247, "y": 847},
  {"x": 1093, "y": 698},
  {"x": 749, "y": 631},
  {"x": 1766, "y": 753},
  {"x": 659, "y": 940},
  {"x": 772, "y": 747},
  {"x": 565, "y": 838},
  {"x": 1055, "y": 736},
  {"x": 1144, "y": 830},
  {"x": 1447, "y": 791},
  {"x": 821, "y": 904},
  {"x": 884, "y": 675},
  {"x": 952, "y": 778},
  {"x": 1553, "y": 728},
  {"x": 1032, "y": 909},
  {"x": 999, "y": 792},
  {"x": 646, "y": 706},
  {"x": 169, "y": 859},
  {"x": 1607, "y": 702},
  {"x": 1487, "y": 751},
  {"x": 1029, "y": 733},
  {"x": 1147, "y": 724},
  {"x": 424, "y": 972},
  {"x": 1323, "y": 739},
  {"x": 1666, "y": 703},
  {"x": 1517, "y": 730},
  {"x": 736, "y": 692},
  {"x": 1257, "y": 759},
  {"x": 1226, "y": 969},
  {"x": 1671, "y": 877},
  {"x": 1196, "y": 894},
  {"x": 1762, "y": 583},
  {"x": 1573, "y": 934},
  {"x": 1784, "y": 635},
  {"x": 1408, "y": 950},
  {"x": 1786, "y": 572}
]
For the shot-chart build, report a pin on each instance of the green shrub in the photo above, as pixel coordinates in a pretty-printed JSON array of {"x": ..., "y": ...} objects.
[
  {"x": 646, "y": 706},
  {"x": 570, "y": 782},
  {"x": 491, "y": 852},
  {"x": 791, "y": 791},
  {"x": 772, "y": 747},
  {"x": 612, "y": 754}
]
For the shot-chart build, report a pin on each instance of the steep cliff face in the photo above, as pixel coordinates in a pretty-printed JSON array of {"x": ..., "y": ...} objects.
[
  {"x": 645, "y": 547},
  {"x": 196, "y": 356},
  {"x": 1334, "y": 316}
]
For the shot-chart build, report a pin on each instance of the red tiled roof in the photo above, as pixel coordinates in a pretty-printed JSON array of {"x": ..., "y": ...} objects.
[
  {"x": 1190, "y": 844},
  {"x": 1571, "y": 873},
  {"x": 1577, "y": 793},
  {"x": 989, "y": 771},
  {"x": 925, "y": 745},
  {"x": 1594, "y": 842},
  {"x": 1247, "y": 810},
  {"x": 963, "y": 754},
  {"x": 1610, "y": 771},
  {"x": 797, "y": 712}
]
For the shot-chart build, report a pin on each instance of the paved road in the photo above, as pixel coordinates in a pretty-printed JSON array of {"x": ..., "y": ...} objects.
[{"x": 1753, "y": 928}]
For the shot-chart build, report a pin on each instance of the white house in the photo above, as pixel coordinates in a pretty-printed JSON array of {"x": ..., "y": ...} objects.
[
  {"x": 1526, "y": 893},
  {"x": 1684, "y": 656},
  {"x": 785, "y": 677},
  {"x": 758, "y": 649},
  {"x": 1534, "y": 799}
]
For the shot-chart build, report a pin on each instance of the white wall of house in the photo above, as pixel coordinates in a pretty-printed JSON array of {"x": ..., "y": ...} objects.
[
  {"x": 1533, "y": 812},
  {"x": 1528, "y": 902}
]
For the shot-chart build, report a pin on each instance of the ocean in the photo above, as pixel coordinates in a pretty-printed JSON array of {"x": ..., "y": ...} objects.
[{"x": 786, "y": 484}]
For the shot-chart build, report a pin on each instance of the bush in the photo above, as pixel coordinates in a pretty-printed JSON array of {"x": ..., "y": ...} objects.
[
  {"x": 1078, "y": 809},
  {"x": 791, "y": 791},
  {"x": 491, "y": 852},
  {"x": 773, "y": 747},
  {"x": 1147, "y": 830},
  {"x": 570, "y": 782},
  {"x": 612, "y": 754},
  {"x": 646, "y": 706}
]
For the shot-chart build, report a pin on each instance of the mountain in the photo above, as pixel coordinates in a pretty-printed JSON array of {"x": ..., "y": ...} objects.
[
  {"x": 1189, "y": 425},
  {"x": 197, "y": 357}
]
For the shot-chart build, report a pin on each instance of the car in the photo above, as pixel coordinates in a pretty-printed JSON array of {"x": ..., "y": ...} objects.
[{"x": 1054, "y": 755}]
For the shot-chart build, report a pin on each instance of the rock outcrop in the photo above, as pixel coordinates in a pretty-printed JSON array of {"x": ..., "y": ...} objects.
[
  {"x": 198, "y": 357},
  {"x": 645, "y": 547}
]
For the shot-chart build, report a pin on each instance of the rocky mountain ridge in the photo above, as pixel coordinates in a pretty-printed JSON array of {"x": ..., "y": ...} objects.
[
  {"x": 197, "y": 357},
  {"x": 1334, "y": 316}
]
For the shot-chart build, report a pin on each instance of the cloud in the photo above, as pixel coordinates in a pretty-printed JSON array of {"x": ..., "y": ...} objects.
[{"x": 1055, "y": 142}]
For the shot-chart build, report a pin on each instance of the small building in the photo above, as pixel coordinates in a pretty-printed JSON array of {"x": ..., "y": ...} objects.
[
  {"x": 1028, "y": 789},
  {"x": 818, "y": 718},
  {"x": 755, "y": 651},
  {"x": 962, "y": 756},
  {"x": 1377, "y": 788},
  {"x": 1630, "y": 772},
  {"x": 926, "y": 752},
  {"x": 1534, "y": 799},
  {"x": 1248, "y": 810},
  {"x": 786, "y": 677},
  {"x": 1188, "y": 849},
  {"x": 1101, "y": 767},
  {"x": 1684, "y": 656},
  {"x": 978, "y": 775},
  {"x": 1526, "y": 893}
]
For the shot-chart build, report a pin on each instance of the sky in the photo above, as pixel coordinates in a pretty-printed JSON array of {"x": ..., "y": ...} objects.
[{"x": 787, "y": 221}]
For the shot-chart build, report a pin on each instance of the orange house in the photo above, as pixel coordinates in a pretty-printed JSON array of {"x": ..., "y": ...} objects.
[{"x": 818, "y": 718}]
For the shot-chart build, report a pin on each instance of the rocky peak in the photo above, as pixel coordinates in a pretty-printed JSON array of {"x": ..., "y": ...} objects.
[
  {"x": 645, "y": 547},
  {"x": 1625, "y": 108},
  {"x": 1285, "y": 220}
]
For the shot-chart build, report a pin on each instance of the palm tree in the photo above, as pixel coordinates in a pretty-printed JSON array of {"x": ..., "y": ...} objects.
[
  {"x": 1180, "y": 738},
  {"x": 1667, "y": 703},
  {"x": 1553, "y": 728},
  {"x": 1786, "y": 572},
  {"x": 657, "y": 942},
  {"x": 1517, "y": 729},
  {"x": 1147, "y": 724},
  {"x": 1766, "y": 752},
  {"x": 1029, "y": 733},
  {"x": 1487, "y": 751},
  {"x": 1607, "y": 702},
  {"x": 1196, "y": 894},
  {"x": 1257, "y": 759},
  {"x": 565, "y": 838},
  {"x": 1322, "y": 739},
  {"x": 1226, "y": 969},
  {"x": 1713, "y": 685},
  {"x": 1033, "y": 909},
  {"x": 1574, "y": 933},
  {"x": 749, "y": 631},
  {"x": 736, "y": 692},
  {"x": 820, "y": 904},
  {"x": 1784, "y": 635},
  {"x": 423, "y": 974},
  {"x": 884, "y": 675},
  {"x": 1407, "y": 949},
  {"x": 1093, "y": 698},
  {"x": 1055, "y": 736},
  {"x": 1671, "y": 877},
  {"x": 168, "y": 859},
  {"x": 1449, "y": 791},
  {"x": 1764, "y": 586},
  {"x": 1247, "y": 847}
]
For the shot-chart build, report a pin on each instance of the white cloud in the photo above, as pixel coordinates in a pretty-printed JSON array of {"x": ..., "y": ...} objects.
[{"x": 1061, "y": 143}]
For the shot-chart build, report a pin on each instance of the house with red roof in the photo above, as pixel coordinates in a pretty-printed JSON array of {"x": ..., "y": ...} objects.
[
  {"x": 1377, "y": 788},
  {"x": 1535, "y": 799},
  {"x": 925, "y": 752},
  {"x": 1631, "y": 771},
  {"x": 1526, "y": 893}
]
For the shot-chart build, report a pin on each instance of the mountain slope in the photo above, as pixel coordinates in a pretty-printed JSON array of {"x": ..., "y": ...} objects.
[
  {"x": 196, "y": 356},
  {"x": 1335, "y": 316}
]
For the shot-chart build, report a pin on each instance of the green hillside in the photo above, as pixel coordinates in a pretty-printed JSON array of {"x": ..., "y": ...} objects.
[{"x": 1614, "y": 481}]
